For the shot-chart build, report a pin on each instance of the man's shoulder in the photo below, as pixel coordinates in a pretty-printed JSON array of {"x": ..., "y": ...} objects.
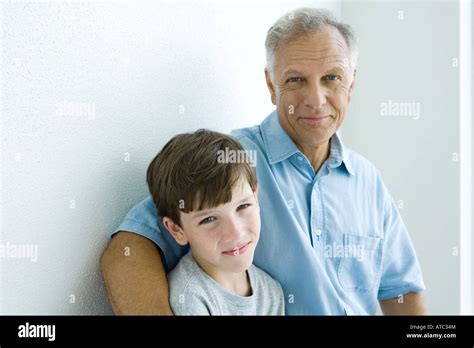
[
  {"x": 367, "y": 173},
  {"x": 248, "y": 136},
  {"x": 360, "y": 164}
]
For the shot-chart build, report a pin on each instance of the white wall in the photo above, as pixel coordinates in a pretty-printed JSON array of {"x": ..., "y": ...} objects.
[
  {"x": 134, "y": 75},
  {"x": 410, "y": 56}
]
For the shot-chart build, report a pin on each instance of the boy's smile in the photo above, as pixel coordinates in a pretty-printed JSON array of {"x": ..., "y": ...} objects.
[{"x": 237, "y": 251}]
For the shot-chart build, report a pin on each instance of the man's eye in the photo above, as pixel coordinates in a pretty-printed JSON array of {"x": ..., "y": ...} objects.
[
  {"x": 243, "y": 206},
  {"x": 294, "y": 79},
  {"x": 207, "y": 220},
  {"x": 332, "y": 77}
]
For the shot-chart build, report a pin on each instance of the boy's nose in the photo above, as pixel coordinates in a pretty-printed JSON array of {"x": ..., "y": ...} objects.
[{"x": 234, "y": 230}]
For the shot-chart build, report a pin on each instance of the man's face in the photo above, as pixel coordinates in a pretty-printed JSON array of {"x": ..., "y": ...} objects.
[
  {"x": 312, "y": 85},
  {"x": 224, "y": 238}
]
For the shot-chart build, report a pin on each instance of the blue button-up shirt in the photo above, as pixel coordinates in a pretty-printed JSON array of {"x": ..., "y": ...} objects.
[{"x": 334, "y": 239}]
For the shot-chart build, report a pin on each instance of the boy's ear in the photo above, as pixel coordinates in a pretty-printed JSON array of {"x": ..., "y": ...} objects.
[
  {"x": 175, "y": 230},
  {"x": 255, "y": 193}
]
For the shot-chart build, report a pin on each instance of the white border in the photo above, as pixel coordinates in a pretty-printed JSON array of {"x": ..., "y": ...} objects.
[
  {"x": 465, "y": 140},
  {"x": 1, "y": 151}
]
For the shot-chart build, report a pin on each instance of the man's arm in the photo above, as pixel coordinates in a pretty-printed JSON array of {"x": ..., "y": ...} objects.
[
  {"x": 408, "y": 304},
  {"x": 134, "y": 276}
]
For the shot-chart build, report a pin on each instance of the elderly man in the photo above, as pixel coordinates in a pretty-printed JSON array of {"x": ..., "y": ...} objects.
[{"x": 331, "y": 233}]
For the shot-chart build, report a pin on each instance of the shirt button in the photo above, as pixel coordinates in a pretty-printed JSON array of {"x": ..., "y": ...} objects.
[
  {"x": 318, "y": 233},
  {"x": 300, "y": 158}
]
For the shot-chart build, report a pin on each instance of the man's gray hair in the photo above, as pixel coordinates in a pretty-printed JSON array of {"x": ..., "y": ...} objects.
[{"x": 304, "y": 21}]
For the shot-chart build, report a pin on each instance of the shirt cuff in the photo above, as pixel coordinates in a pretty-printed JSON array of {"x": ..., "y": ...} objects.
[{"x": 386, "y": 294}]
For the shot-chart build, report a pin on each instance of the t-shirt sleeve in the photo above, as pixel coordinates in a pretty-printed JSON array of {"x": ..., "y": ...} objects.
[
  {"x": 280, "y": 308},
  {"x": 143, "y": 219},
  {"x": 401, "y": 271},
  {"x": 271, "y": 300},
  {"x": 193, "y": 304},
  {"x": 187, "y": 296}
]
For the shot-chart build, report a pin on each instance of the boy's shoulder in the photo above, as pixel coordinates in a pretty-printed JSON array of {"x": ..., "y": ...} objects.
[
  {"x": 187, "y": 289},
  {"x": 264, "y": 279},
  {"x": 269, "y": 292},
  {"x": 185, "y": 275}
]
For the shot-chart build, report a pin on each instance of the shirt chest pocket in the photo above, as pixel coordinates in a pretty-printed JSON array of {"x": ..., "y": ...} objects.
[{"x": 360, "y": 267}]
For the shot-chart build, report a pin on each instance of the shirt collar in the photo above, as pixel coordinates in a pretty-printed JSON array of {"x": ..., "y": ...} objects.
[
  {"x": 338, "y": 155},
  {"x": 279, "y": 146}
]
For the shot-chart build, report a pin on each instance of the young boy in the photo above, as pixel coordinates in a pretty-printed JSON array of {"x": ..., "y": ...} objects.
[{"x": 212, "y": 204}]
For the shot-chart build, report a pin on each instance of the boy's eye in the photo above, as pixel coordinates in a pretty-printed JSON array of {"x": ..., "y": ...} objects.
[
  {"x": 294, "y": 79},
  {"x": 207, "y": 220},
  {"x": 243, "y": 206}
]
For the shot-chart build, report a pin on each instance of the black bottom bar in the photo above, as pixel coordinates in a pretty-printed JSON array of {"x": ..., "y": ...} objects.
[{"x": 291, "y": 331}]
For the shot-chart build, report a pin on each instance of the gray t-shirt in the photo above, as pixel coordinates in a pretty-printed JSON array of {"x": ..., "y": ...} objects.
[{"x": 194, "y": 292}]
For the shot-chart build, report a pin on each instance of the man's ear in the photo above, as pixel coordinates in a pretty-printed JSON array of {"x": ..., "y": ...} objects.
[
  {"x": 271, "y": 87},
  {"x": 175, "y": 230},
  {"x": 351, "y": 87}
]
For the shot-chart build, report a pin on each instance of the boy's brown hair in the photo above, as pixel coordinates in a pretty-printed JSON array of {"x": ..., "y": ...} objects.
[{"x": 186, "y": 175}]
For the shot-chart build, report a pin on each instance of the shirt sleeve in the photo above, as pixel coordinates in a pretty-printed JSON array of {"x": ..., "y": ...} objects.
[
  {"x": 143, "y": 219},
  {"x": 401, "y": 271}
]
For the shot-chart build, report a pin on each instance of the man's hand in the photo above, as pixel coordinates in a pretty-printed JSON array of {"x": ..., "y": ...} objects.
[
  {"x": 408, "y": 304},
  {"x": 134, "y": 276}
]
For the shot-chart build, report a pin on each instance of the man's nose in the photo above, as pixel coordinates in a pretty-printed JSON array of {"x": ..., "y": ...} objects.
[{"x": 315, "y": 96}]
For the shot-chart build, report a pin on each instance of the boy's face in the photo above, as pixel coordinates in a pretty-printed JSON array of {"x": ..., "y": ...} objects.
[{"x": 222, "y": 238}]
